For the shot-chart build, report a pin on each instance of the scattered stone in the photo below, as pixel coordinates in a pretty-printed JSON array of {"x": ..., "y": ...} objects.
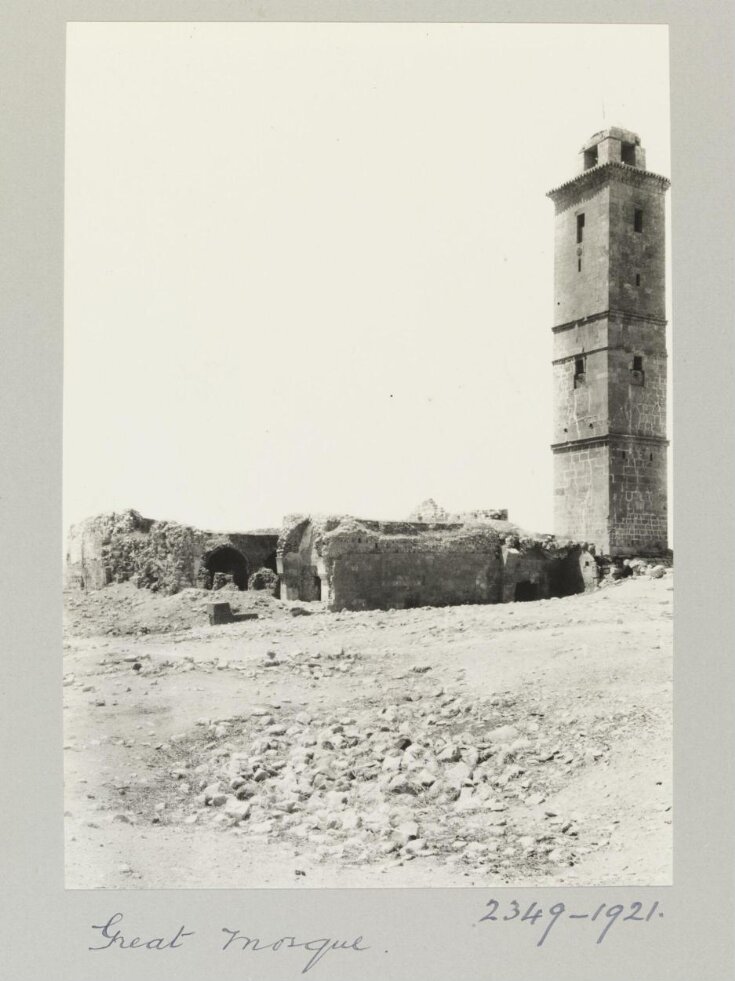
[
  {"x": 405, "y": 832},
  {"x": 236, "y": 809},
  {"x": 502, "y": 735}
]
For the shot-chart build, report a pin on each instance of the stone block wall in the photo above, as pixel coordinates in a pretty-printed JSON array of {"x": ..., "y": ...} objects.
[
  {"x": 160, "y": 555},
  {"x": 635, "y": 253},
  {"x": 581, "y": 493},
  {"x": 579, "y": 292},
  {"x": 403, "y": 580},
  {"x": 353, "y": 564},
  {"x": 638, "y": 496}
]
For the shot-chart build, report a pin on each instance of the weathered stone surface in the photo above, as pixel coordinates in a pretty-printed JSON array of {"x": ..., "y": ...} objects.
[
  {"x": 610, "y": 484},
  {"x": 161, "y": 555},
  {"x": 352, "y": 564}
]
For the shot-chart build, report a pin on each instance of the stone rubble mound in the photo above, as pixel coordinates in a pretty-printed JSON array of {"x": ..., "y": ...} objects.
[{"x": 430, "y": 774}]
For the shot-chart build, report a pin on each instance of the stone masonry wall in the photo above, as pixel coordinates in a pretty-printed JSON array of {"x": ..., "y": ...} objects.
[
  {"x": 638, "y": 492},
  {"x": 580, "y": 406},
  {"x": 410, "y": 579},
  {"x": 581, "y": 494},
  {"x": 581, "y": 292},
  {"x": 160, "y": 555},
  {"x": 353, "y": 564},
  {"x": 637, "y": 401}
]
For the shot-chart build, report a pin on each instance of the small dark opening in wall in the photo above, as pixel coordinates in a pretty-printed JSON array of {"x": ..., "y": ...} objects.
[
  {"x": 638, "y": 220},
  {"x": 580, "y": 227},
  {"x": 228, "y": 560},
  {"x": 590, "y": 158},
  {"x": 579, "y": 366},
  {"x": 317, "y": 588},
  {"x": 627, "y": 153},
  {"x": 579, "y": 265},
  {"x": 637, "y": 362},
  {"x": 526, "y": 591},
  {"x": 625, "y": 455},
  {"x": 637, "y": 279},
  {"x": 650, "y": 456}
]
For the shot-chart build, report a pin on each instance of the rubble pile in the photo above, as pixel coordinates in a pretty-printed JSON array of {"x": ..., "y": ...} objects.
[
  {"x": 122, "y": 610},
  {"x": 265, "y": 579},
  {"x": 434, "y": 773}
]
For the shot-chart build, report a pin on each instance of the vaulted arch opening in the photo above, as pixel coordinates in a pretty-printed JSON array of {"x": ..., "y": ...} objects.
[{"x": 230, "y": 562}]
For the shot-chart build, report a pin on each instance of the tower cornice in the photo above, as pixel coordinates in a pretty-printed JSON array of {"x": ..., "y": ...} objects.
[
  {"x": 612, "y": 315},
  {"x": 604, "y": 439},
  {"x": 602, "y": 173}
]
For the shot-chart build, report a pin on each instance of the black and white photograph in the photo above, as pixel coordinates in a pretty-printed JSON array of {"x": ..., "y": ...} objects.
[{"x": 367, "y": 456}]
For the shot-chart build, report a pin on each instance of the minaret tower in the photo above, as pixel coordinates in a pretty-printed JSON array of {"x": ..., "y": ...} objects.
[{"x": 610, "y": 477}]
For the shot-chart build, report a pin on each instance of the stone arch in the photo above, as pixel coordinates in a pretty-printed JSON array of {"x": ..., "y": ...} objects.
[{"x": 229, "y": 560}]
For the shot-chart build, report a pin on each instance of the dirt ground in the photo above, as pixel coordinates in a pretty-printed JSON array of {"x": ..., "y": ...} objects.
[{"x": 526, "y": 743}]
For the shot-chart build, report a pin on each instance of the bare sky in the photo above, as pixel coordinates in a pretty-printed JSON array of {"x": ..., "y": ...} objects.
[{"x": 309, "y": 266}]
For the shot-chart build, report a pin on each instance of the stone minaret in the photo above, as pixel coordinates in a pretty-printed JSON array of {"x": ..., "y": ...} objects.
[{"x": 610, "y": 351}]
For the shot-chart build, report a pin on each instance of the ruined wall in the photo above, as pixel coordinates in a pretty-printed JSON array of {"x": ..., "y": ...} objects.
[
  {"x": 353, "y": 564},
  {"x": 429, "y": 512},
  {"x": 259, "y": 548},
  {"x": 302, "y": 569},
  {"x": 376, "y": 565},
  {"x": 637, "y": 399},
  {"x": 159, "y": 555},
  {"x": 403, "y": 580},
  {"x": 637, "y": 253}
]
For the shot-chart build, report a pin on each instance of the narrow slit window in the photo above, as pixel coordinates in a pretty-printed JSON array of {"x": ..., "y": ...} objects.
[
  {"x": 638, "y": 220},
  {"x": 579, "y": 265},
  {"x": 578, "y": 372},
  {"x": 637, "y": 279},
  {"x": 637, "y": 363},
  {"x": 580, "y": 227}
]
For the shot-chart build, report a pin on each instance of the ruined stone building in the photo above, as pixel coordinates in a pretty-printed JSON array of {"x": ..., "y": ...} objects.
[
  {"x": 610, "y": 446},
  {"x": 355, "y": 564},
  {"x": 162, "y": 555},
  {"x": 430, "y": 512}
]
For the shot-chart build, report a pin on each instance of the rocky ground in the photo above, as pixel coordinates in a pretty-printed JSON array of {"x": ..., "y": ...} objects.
[{"x": 527, "y": 743}]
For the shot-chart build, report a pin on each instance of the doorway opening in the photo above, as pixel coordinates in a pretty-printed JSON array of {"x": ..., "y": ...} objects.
[
  {"x": 230, "y": 562},
  {"x": 526, "y": 591}
]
